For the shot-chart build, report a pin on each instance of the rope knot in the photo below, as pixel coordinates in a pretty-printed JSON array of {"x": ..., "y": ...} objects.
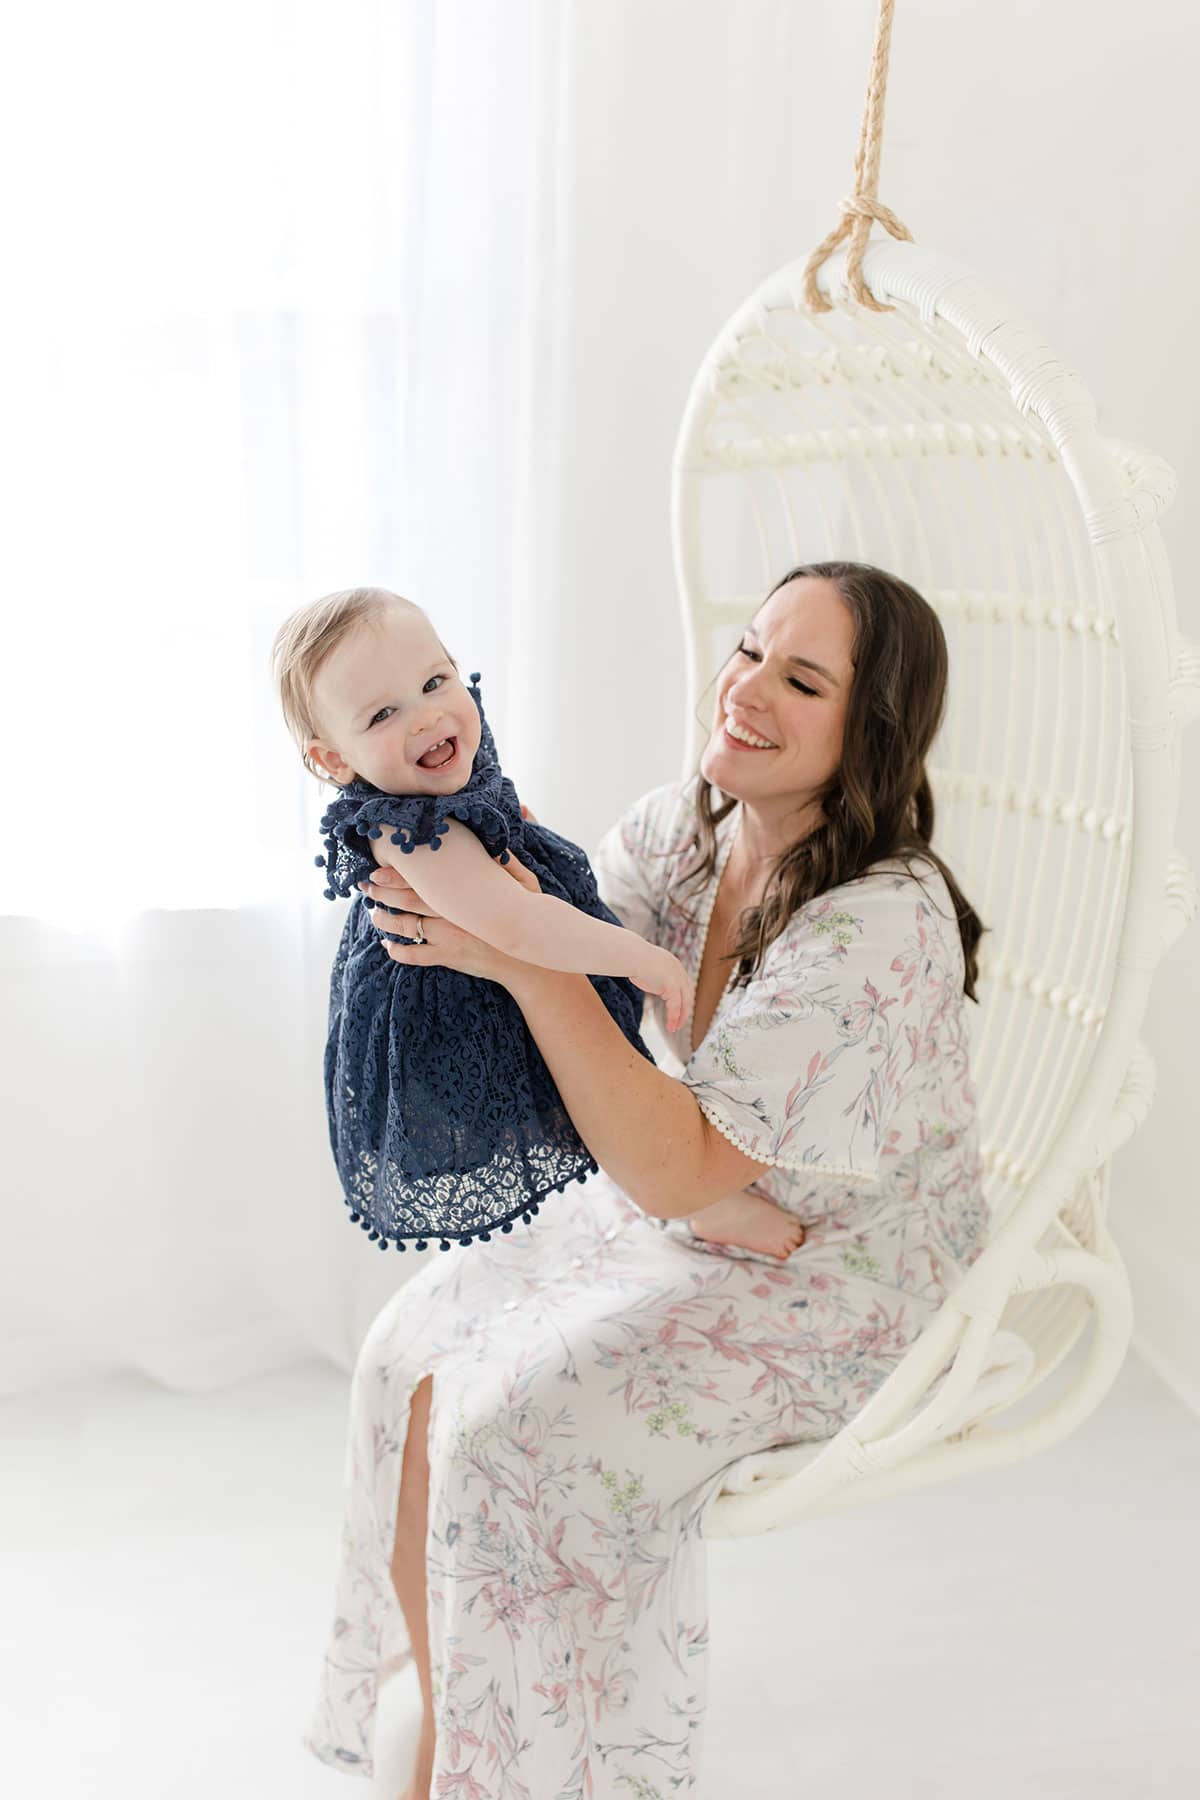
[{"x": 863, "y": 208}]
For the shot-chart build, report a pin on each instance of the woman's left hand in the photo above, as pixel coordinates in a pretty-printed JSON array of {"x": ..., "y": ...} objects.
[{"x": 446, "y": 946}]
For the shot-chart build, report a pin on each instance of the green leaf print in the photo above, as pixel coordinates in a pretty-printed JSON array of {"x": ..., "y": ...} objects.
[
  {"x": 723, "y": 1048},
  {"x": 859, "y": 1262},
  {"x": 837, "y": 925},
  {"x": 672, "y": 1412},
  {"x": 620, "y": 1499}
]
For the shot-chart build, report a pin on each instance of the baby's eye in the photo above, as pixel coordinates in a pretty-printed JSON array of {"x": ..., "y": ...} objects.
[
  {"x": 428, "y": 688},
  {"x": 379, "y": 715}
]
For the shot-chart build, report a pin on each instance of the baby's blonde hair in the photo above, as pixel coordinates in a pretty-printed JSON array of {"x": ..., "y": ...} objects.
[{"x": 305, "y": 641}]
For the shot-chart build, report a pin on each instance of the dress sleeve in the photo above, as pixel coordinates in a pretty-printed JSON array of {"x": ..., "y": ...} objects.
[
  {"x": 409, "y": 820},
  {"x": 803, "y": 1067},
  {"x": 633, "y": 859}
]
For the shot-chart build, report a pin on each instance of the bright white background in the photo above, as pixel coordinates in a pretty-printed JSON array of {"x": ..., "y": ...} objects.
[{"x": 302, "y": 295}]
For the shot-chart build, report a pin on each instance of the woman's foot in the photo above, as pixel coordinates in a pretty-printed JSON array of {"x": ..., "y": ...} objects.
[{"x": 751, "y": 1223}]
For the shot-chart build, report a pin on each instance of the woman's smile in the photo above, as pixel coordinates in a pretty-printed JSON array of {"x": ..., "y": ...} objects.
[{"x": 743, "y": 737}]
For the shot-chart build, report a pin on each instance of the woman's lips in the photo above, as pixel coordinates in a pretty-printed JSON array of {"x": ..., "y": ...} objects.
[{"x": 737, "y": 744}]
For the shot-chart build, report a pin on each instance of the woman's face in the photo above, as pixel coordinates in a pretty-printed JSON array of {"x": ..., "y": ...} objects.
[{"x": 770, "y": 693}]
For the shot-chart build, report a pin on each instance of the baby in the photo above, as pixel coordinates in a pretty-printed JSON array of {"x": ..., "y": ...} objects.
[{"x": 443, "y": 1117}]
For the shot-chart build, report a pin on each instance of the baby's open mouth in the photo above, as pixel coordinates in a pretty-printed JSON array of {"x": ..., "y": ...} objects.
[{"x": 439, "y": 756}]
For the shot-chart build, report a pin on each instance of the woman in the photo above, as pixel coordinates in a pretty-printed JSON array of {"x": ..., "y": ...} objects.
[{"x": 538, "y": 1426}]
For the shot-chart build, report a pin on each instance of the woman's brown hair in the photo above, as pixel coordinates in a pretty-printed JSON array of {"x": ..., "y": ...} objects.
[{"x": 878, "y": 804}]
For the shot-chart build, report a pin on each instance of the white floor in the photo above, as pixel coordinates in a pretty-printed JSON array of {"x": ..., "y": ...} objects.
[{"x": 1032, "y": 1635}]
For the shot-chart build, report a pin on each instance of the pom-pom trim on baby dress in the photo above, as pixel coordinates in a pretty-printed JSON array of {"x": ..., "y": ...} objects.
[{"x": 525, "y": 1212}]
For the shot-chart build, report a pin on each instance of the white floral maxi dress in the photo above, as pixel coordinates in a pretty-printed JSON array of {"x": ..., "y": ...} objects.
[{"x": 596, "y": 1374}]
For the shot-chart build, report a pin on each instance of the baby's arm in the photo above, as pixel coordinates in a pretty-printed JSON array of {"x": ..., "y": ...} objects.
[{"x": 461, "y": 881}]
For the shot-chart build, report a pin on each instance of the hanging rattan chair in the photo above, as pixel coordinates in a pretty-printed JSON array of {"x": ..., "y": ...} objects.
[{"x": 942, "y": 440}]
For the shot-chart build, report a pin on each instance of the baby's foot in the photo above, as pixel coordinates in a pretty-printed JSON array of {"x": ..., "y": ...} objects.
[{"x": 750, "y": 1222}]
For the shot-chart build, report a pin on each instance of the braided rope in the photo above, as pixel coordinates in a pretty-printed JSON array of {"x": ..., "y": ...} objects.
[{"x": 861, "y": 209}]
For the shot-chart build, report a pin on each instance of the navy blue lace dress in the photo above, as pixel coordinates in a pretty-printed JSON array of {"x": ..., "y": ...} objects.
[{"x": 443, "y": 1117}]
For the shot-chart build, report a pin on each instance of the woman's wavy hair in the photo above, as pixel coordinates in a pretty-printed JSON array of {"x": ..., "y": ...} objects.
[{"x": 878, "y": 804}]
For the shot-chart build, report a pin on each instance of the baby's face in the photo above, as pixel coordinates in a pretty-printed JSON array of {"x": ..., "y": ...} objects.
[{"x": 394, "y": 710}]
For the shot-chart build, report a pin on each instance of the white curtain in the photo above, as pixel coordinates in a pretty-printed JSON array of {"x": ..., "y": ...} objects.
[{"x": 300, "y": 296}]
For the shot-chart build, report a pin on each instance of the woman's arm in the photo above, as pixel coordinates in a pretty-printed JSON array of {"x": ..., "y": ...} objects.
[
  {"x": 462, "y": 883},
  {"x": 643, "y": 1127}
]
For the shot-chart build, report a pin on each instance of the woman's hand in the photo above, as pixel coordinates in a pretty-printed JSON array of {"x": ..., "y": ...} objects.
[{"x": 446, "y": 946}]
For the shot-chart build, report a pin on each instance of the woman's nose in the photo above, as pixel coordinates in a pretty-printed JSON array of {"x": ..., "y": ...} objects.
[{"x": 744, "y": 689}]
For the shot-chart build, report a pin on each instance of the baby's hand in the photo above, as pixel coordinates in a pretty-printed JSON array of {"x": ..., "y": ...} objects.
[{"x": 663, "y": 974}]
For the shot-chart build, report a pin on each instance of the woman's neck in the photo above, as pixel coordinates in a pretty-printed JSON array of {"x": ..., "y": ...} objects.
[{"x": 762, "y": 838}]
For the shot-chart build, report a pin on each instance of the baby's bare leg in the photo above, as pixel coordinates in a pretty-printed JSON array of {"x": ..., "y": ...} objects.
[
  {"x": 408, "y": 1569},
  {"x": 752, "y": 1222}
]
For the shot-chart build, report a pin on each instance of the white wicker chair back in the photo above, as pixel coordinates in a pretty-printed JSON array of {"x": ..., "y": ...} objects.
[{"x": 944, "y": 442}]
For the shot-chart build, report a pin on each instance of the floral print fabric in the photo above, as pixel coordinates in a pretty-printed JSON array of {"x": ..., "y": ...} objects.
[{"x": 595, "y": 1375}]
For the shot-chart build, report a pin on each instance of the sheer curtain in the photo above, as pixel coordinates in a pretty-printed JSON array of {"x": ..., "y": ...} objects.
[{"x": 308, "y": 296}]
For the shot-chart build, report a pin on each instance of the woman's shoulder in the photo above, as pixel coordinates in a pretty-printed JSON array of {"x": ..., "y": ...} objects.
[
  {"x": 898, "y": 876},
  {"x": 662, "y": 821},
  {"x": 882, "y": 905}
]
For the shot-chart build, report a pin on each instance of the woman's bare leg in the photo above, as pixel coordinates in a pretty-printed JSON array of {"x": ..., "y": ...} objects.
[{"x": 408, "y": 1569}]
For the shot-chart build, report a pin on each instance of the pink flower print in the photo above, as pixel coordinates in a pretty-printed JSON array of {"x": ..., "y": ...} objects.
[
  {"x": 883, "y": 1335},
  {"x": 612, "y": 1689},
  {"x": 721, "y": 1337},
  {"x": 778, "y": 1002},
  {"x": 460, "y": 1785},
  {"x": 504, "y": 1604},
  {"x": 804, "y": 1089},
  {"x": 854, "y": 1021},
  {"x": 527, "y": 1429}
]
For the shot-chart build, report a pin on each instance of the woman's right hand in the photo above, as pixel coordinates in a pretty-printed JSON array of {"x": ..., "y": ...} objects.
[{"x": 658, "y": 972}]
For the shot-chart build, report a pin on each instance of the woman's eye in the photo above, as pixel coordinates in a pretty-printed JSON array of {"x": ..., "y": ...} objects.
[{"x": 755, "y": 657}]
